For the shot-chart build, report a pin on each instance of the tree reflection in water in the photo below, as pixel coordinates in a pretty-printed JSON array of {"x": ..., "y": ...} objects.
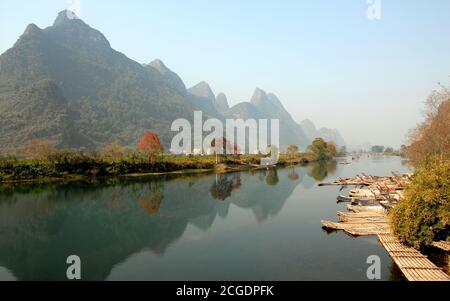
[
  {"x": 237, "y": 183},
  {"x": 292, "y": 174},
  {"x": 262, "y": 175},
  {"x": 320, "y": 170},
  {"x": 107, "y": 221},
  {"x": 116, "y": 199},
  {"x": 272, "y": 177},
  {"x": 152, "y": 200},
  {"x": 223, "y": 186}
]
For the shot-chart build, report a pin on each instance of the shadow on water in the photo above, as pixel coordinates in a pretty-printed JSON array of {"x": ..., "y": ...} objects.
[{"x": 395, "y": 274}]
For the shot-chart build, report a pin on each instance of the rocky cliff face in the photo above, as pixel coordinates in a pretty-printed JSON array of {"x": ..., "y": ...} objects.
[
  {"x": 106, "y": 95},
  {"x": 65, "y": 83}
]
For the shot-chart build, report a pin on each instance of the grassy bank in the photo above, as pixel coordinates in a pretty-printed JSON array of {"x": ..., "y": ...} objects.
[{"x": 78, "y": 165}]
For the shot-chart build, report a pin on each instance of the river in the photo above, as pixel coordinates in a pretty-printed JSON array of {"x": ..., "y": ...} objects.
[{"x": 262, "y": 225}]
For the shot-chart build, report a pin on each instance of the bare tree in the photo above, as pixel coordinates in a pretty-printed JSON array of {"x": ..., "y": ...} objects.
[
  {"x": 432, "y": 136},
  {"x": 114, "y": 151},
  {"x": 38, "y": 149}
]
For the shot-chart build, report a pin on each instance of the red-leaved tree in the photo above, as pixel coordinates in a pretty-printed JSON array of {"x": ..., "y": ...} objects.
[{"x": 150, "y": 144}]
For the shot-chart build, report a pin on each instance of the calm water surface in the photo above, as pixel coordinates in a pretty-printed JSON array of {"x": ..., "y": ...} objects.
[{"x": 261, "y": 225}]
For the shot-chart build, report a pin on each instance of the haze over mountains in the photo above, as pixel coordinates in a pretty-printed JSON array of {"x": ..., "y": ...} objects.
[{"x": 65, "y": 83}]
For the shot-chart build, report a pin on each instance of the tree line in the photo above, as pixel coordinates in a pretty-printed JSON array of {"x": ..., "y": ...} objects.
[
  {"x": 423, "y": 216},
  {"x": 39, "y": 159}
]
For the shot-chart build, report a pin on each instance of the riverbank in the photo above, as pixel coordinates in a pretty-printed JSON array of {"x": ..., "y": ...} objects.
[{"x": 79, "y": 166}]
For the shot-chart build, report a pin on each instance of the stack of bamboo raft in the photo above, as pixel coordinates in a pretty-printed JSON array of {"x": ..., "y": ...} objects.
[
  {"x": 363, "y": 222},
  {"x": 367, "y": 216},
  {"x": 396, "y": 180},
  {"x": 414, "y": 265},
  {"x": 380, "y": 191},
  {"x": 443, "y": 245}
]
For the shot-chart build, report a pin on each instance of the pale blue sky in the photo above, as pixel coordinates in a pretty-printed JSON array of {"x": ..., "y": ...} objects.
[{"x": 325, "y": 60}]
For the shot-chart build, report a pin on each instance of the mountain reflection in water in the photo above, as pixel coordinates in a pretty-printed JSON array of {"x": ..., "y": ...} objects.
[{"x": 107, "y": 221}]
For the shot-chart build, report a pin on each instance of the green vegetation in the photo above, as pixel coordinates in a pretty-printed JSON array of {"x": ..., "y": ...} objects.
[
  {"x": 377, "y": 149},
  {"x": 292, "y": 150},
  {"x": 423, "y": 215},
  {"x": 67, "y": 165},
  {"x": 42, "y": 162},
  {"x": 321, "y": 150},
  {"x": 387, "y": 151}
]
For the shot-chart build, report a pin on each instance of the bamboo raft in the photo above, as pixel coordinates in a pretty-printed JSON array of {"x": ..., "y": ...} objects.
[
  {"x": 394, "y": 182},
  {"x": 360, "y": 208},
  {"x": 414, "y": 265},
  {"x": 363, "y": 221},
  {"x": 443, "y": 245},
  {"x": 344, "y": 183},
  {"x": 367, "y": 216}
]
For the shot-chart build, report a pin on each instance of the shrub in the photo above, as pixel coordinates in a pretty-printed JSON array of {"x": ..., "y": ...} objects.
[
  {"x": 113, "y": 151},
  {"x": 423, "y": 216}
]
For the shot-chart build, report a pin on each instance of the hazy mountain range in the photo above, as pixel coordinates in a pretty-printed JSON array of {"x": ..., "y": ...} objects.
[{"x": 65, "y": 83}]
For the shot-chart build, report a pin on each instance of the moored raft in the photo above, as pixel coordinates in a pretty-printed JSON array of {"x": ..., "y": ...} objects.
[
  {"x": 384, "y": 183},
  {"x": 359, "y": 223},
  {"x": 361, "y": 220},
  {"x": 413, "y": 264},
  {"x": 443, "y": 245}
]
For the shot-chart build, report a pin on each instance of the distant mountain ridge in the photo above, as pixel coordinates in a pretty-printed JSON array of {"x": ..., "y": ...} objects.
[
  {"x": 171, "y": 76},
  {"x": 221, "y": 103},
  {"x": 65, "y": 83},
  {"x": 325, "y": 133},
  {"x": 203, "y": 99}
]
